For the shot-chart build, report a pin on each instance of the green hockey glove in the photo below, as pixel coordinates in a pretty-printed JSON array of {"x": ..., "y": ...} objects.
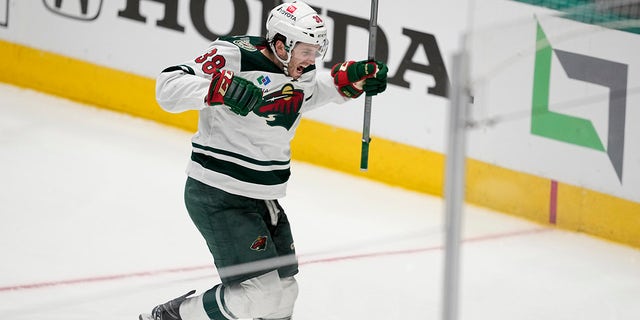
[
  {"x": 240, "y": 95},
  {"x": 351, "y": 77},
  {"x": 377, "y": 84}
]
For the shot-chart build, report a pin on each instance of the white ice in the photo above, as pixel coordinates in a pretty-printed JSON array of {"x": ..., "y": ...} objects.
[{"x": 93, "y": 227}]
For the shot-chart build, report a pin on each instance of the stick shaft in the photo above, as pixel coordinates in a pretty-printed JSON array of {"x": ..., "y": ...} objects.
[{"x": 366, "y": 126}]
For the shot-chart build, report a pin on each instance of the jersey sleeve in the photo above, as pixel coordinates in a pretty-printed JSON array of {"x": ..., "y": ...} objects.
[
  {"x": 184, "y": 87},
  {"x": 324, "y": 92}
]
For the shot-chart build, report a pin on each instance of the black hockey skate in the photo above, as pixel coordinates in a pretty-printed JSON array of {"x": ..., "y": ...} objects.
[{"x": 169, "y": 310}]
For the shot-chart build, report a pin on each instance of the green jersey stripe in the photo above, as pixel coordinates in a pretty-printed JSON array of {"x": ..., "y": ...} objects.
[
  {"x": 241, "y": 157},
  {"x": 238, "y": 172}
]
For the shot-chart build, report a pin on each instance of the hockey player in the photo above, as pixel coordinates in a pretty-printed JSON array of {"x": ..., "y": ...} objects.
[{"x": 250, "y": 93}]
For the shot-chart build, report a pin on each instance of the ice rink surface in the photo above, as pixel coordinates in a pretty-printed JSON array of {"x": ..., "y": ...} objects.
[{"x": 94, "y": 227}]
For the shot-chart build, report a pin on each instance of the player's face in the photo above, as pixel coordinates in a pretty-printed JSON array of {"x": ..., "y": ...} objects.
[{"x": 302, "y": 56}]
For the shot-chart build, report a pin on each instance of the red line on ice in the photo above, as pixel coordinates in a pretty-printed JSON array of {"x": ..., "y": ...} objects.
[{"x": 303, "y": 262}]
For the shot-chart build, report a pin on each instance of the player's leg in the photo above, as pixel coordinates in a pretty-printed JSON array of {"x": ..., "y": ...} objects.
[
  {"x": 271, "y": 295},
  {"x": 283, "y": 240},
  {"x": 280, "y": 230},
  {"x": 238, "y": 230}
]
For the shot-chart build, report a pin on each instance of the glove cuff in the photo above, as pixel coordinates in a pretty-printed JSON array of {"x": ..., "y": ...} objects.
[
  {"x": 218, "y": 88},
  {"x": 350, "y": 76},
  {"x": 340, "y": 73}
]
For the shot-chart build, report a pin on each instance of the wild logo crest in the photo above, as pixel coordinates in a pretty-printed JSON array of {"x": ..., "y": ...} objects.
[
  {"x": 260, "y": 244},
  {"x": 282, "y": 107}
]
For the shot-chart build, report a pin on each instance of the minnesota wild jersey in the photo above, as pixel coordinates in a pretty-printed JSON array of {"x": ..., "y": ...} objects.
[{"x": 248, "y": 156}]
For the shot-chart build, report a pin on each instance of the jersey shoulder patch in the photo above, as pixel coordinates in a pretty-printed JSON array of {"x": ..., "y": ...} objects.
[
  {"x": 251, "y": 57},
  {"x": 246, "y": 43}
]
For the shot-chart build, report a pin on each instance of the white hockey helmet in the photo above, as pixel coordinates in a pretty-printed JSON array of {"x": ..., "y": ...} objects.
[{"x": 297, "y": 22}]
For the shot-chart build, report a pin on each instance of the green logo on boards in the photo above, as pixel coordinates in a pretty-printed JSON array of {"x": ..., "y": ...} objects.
[{"x": 575, "y": 130}]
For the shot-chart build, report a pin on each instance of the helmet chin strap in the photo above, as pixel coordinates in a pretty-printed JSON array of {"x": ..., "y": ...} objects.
[{"x": 285, "y": 63}]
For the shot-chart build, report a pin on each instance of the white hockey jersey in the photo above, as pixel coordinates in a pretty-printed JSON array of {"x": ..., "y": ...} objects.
[{"x": 248, "y": 156}]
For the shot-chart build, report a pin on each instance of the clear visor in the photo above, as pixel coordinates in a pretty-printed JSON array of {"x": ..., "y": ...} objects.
[{"x": 310, "y": 51}]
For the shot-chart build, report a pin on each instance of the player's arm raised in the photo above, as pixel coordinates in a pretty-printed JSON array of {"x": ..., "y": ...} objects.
[{"x": 208, "y": 80}]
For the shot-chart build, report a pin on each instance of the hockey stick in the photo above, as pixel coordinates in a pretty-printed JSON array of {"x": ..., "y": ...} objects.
[{"x": 373, "y": 28}]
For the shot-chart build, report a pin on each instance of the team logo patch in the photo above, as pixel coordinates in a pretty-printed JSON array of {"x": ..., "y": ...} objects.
[
  {"x": 282, "y": 108},
  {"x": 260, "y": 244},
  {"x": 245, "y": 44},
  {"x": 264, "y": 80}
]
